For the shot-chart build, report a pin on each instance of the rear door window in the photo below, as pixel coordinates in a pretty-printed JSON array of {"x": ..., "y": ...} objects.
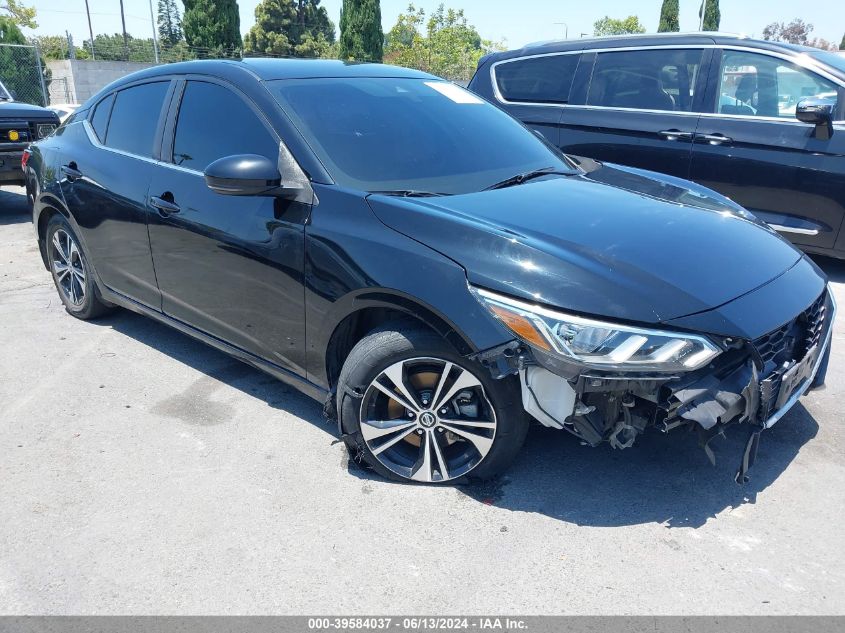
[
  {"x": 134, "y": 118},
  {"x": 100, "y": 120},
  {"x": 661, "y": 79},
  {"x": 543, "y": 79}
]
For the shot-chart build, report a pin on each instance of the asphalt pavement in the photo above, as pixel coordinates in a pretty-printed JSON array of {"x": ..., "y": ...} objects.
[{"x": 142, "y": 472}]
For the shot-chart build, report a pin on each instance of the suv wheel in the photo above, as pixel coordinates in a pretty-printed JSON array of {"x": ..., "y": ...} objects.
[
  {"x": 71, "y": 272},
  {"x": 414, "y": 409}
]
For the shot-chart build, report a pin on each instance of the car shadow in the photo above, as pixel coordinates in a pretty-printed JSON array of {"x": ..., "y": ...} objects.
[
  {"x": 13, "y": 208},
  {"x": 665, "y": 478}
]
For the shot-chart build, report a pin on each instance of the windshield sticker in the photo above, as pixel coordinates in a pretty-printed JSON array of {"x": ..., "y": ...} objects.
[{"x": 453, "y": 92}]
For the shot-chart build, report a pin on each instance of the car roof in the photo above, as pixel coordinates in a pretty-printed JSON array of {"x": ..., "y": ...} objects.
[
  {"x": 268, "y": 69},
  {"x": 262, "y": 69},
  {"x": 650, "y": 39}
]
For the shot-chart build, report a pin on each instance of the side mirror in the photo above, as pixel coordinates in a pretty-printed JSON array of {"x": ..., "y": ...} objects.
[
  {"x": 243, "y": 175},
  {"x": 818, "y": 112}
]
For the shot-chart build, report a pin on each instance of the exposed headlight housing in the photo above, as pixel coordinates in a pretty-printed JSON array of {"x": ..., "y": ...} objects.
[
  {"x": 599, "y": 344},
  {"x": 45, "y": 130}
]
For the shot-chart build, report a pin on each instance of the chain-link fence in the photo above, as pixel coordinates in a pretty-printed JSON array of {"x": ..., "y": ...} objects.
[{"x": 22, "y": 73}]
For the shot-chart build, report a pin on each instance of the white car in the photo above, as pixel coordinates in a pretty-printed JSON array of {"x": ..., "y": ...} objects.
[{"x": 64, "y": 110}]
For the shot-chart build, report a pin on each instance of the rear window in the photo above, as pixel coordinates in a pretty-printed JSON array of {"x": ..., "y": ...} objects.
[
  {"x": 100, "y": 120},
  {"x": 134, "y": 118},
  {"x": 545, "y": 79}
]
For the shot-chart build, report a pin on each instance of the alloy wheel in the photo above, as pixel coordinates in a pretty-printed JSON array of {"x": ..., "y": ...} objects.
[
  {"x": 68, "y": 267},
  {"x": 427, "y": 419}
]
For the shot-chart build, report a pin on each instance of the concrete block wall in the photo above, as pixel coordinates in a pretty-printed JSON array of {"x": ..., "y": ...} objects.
[{"x": 85, "y": 78}]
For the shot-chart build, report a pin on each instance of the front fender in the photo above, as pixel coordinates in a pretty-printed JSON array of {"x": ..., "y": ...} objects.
[{"x": 354, "y": 262}]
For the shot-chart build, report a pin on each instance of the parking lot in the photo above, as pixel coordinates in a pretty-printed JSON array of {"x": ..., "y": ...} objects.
[{"x": 142, "y": 472}]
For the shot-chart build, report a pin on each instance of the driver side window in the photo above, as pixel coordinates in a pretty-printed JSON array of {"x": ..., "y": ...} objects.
[
  {"x": 214, "y": 123},
  {"x": 759, "y": 85}
]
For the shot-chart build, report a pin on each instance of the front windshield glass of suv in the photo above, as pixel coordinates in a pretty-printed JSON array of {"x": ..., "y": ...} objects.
[
  {"x": 831, "y": 58},
  {"x": 414, "y": 135}
]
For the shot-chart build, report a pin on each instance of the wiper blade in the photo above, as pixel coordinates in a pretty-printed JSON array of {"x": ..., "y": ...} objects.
[
  {"x": 528, "y": 175},
  {"x": 409, "y": 193}
]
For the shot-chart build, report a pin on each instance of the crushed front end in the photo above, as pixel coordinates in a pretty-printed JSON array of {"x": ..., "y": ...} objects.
[{"x": 617, "y": 380}]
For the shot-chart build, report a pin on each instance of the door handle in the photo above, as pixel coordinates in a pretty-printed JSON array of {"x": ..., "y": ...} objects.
[
  {"x": 164, "y": 207},
  {"x": 714, "y": 139},
  {"x": 71, "y": 172},
  {"x": 675, "y": 135}
]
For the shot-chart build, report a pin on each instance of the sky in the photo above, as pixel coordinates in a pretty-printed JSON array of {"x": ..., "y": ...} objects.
[{"x": 514, "y": 23}]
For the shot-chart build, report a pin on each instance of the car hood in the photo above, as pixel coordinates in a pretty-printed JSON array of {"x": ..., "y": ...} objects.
[
  {"x": 24, "y": 111},
  {"x": 611, "y": 241}
]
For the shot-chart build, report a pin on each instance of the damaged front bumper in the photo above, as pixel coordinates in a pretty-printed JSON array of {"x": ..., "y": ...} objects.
[{"x": 752, "y": 385}]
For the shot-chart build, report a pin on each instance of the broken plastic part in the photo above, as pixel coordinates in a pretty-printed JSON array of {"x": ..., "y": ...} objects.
[{"x": 547, "y": 397}]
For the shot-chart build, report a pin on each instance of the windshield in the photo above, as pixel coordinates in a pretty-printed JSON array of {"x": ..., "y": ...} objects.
[
  {"x": 412, "y": 135},
  {"x": 836, "y": 60}
]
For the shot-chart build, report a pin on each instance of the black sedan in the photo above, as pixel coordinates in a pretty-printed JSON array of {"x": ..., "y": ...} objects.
[{"x": 415, "y": 258}]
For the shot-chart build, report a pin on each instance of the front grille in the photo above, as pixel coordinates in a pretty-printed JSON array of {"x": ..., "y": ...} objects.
[
  {"x": 774, "y": 344},
  {"x": 782, "y": 347},
  {"x": 793, "y": 340},
  {"x": 815, "y": 317},
  {"x": 25, "y": 132}
]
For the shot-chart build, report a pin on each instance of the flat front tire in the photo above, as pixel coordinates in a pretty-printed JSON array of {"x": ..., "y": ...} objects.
[{"x": 413, "y": 409}]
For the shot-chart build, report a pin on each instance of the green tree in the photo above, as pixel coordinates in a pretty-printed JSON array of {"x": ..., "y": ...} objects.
[
  {"x": 612, "y": 26},
  {"x": 17, "y": 65},
  {"x": 712, "y": 15},
  {"x": 20, "y": 14},
  {"x": 169, "y": 23},
  {"x": 445, "y": 44},
  {"x": 796, "y": 32},
  {"x": 298, "y": 28},
  {"x": 213, "y": 27},
  {"x": 361, "y": 36},
  {"x": 669, "y": 17},
  {"x": 56, "y": 47}
]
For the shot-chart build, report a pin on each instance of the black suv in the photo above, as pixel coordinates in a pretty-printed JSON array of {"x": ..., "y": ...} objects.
[
  {"x": 400, "y": 249},
  {"x": 20, "y": 124},
  {"x": 760, "y": 122}
]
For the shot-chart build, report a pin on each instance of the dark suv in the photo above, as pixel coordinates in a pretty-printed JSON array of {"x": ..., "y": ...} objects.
[
  {"x": 20, "y": 124},
  {"x": 760, "y": 122},
  {"x": 400, "y": 249}
]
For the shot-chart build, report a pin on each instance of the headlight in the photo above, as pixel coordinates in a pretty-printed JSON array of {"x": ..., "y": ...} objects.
[
  {"x": 599, "y": 344},
  {"x": 45, "y": 130}
]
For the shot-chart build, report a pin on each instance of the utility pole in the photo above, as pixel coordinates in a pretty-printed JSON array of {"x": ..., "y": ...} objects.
[
  {"x": 155, "y": 31},
  {"x": 703, "y": 9},
  {"x": 90, "y": 31},
  {"x": 125, "y": 36}
]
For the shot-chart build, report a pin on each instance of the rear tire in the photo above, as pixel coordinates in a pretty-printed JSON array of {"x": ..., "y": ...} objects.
[
  {"x": 449, "y": 422},
  {"x": 71, "y": 271}
]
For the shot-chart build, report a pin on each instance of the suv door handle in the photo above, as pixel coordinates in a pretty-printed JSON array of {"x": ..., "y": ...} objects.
[
  {"x": 164, "y": 207},
  {"x": 714, "y": 139},
  {"x": 71, "y": 172},
  {"x": 675, "y": 135}
]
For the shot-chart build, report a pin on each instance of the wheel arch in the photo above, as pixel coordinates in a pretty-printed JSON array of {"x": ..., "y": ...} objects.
[
  {"x": 374, "y": 308},
  {"x": 46, "y": 207}
]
